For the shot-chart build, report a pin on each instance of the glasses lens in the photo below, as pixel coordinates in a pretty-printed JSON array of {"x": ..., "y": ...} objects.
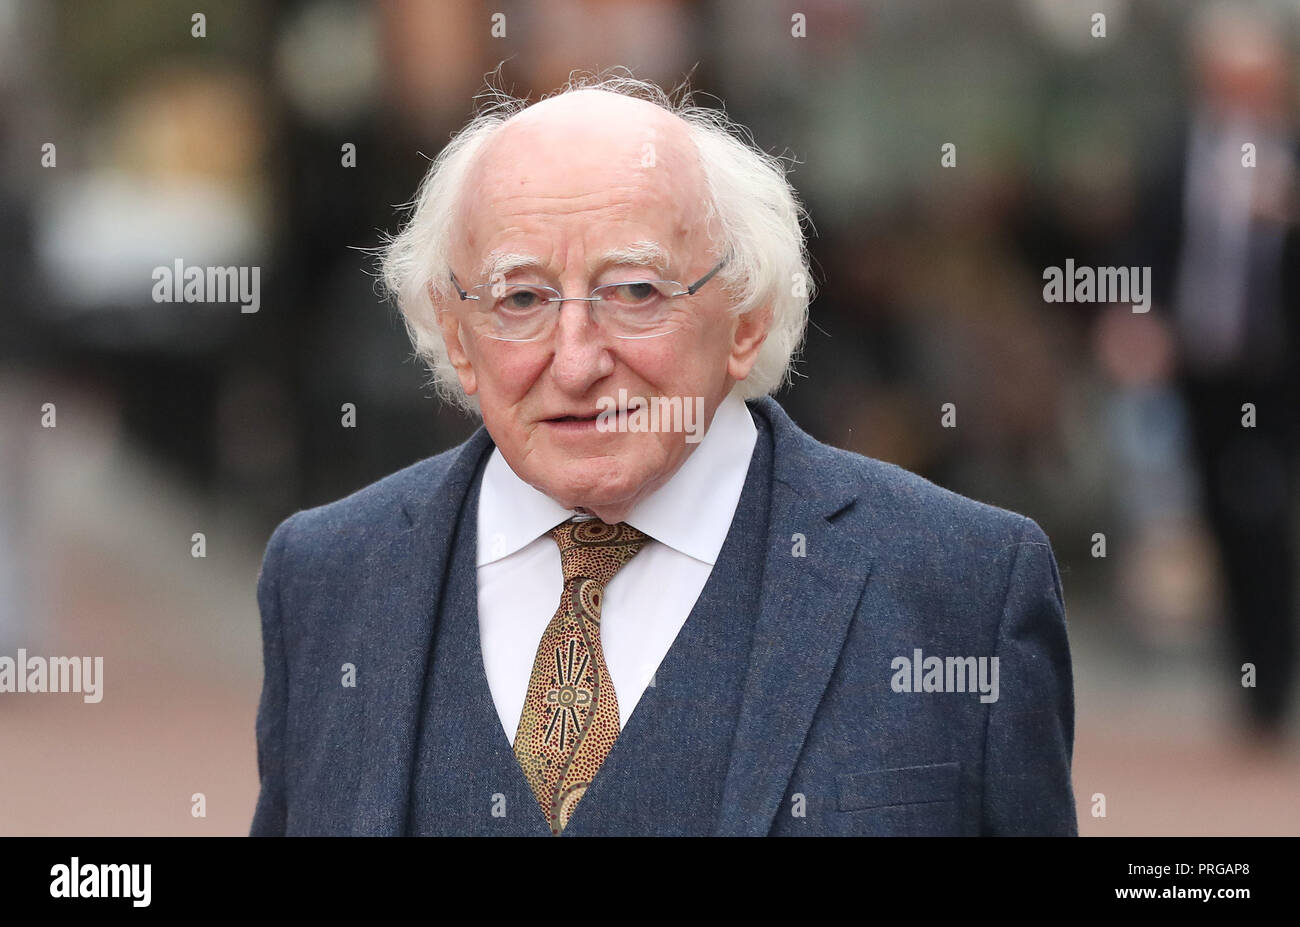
[
  {"x": 638, "y": 308},
  {"x": 514, "y": 312}
]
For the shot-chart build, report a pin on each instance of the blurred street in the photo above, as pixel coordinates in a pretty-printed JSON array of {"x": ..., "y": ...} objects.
[{"x": 107, "y": 571}]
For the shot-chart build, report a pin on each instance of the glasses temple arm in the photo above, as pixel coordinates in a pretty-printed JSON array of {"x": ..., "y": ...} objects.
[
  {"x": 459, "y": 291},
  {"x": 707, "y": 277}
]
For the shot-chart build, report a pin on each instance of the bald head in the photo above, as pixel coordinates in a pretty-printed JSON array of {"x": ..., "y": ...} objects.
[
  {"x": 592, "y": 151},
  {"x": 611, "y": 126}
]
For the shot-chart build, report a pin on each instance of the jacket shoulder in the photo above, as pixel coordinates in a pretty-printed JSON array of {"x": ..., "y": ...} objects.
[
  {"x": 871, "y": 491},
  {"x": 877, "y": 496},
  {"x": 912, "y": 503}
]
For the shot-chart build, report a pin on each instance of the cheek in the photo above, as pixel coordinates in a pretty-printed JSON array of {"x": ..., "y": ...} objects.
[
  {"x": 701, "y": 345},
  {"x": 687, "y": 361},
  {"x": 505, "y": 372}
]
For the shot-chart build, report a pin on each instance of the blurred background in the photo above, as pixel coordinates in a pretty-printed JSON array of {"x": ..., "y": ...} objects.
[{"x": 1121, "y": 433}]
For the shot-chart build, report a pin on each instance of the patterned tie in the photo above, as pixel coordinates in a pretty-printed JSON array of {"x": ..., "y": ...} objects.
[{"x": 570, "y": 716}]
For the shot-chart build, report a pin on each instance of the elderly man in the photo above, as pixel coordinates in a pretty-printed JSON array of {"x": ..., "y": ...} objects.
[{"x": 640, "y": 600}]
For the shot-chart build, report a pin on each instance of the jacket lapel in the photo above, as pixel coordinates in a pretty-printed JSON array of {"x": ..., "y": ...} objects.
[
  {"x": 406, "y": 585},
  {"x": 807, "y": 605}
]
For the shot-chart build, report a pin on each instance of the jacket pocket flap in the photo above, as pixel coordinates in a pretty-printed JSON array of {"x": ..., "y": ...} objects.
[{"x": 902, "y": 785}]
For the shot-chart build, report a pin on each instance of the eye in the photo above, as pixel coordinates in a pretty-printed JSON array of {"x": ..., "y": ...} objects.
[
  {"x": 521, "y": 299},
  {"x": 634, "y": 294}
]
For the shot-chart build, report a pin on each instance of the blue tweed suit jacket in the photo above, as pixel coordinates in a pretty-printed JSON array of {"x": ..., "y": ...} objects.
[{"x": 866, "y": 564}]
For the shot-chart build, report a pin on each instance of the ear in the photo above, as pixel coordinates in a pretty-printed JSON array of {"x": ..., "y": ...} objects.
[
  {"x": 749, "y": 334},
  {"x": 449, "y": 323}
]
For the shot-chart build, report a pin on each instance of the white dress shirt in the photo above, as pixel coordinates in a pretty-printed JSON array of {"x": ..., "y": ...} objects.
[{"x": 649, "y": 598}]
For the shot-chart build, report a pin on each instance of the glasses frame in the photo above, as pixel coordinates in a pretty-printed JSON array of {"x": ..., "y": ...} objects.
[{"x": 561, "y": 298}]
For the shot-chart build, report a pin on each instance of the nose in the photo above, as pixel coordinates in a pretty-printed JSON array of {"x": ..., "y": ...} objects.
[{"x": 582, "y": 351}]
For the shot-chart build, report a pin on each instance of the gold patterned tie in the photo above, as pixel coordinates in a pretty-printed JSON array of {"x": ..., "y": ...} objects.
[{"x": 570, "y": 716}]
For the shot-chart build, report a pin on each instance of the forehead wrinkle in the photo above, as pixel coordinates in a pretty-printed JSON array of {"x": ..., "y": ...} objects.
[
  {"x": 508, "y": 185},
  {"x": 507, "y": 208},
  {"x": 513, "y": 196}
]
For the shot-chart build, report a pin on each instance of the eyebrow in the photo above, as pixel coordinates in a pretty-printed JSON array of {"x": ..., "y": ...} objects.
[
  {"x": 638, "y": 254},
  {"x": 643, "y": 253},
  {"x": 507, "y": 262}
]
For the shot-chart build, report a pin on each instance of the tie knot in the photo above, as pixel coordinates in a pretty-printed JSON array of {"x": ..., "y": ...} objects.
[{"x": 594, "y": 550}]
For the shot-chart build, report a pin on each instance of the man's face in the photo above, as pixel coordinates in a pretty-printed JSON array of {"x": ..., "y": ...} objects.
[{"x": 565, "y": 183}]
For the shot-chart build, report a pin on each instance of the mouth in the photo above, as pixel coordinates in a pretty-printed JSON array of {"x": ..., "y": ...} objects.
[{"x": 588, "y": 423}]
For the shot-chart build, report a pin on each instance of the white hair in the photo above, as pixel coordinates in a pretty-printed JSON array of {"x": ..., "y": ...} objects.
[{"x": 757, "y": 210}]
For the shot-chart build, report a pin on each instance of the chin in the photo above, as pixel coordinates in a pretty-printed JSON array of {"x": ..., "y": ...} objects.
[
  {"x": 594, "y": 493},
  {"x": 591, "y": 484}
]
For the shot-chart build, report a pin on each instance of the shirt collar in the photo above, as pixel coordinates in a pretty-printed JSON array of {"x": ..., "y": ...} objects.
[{"x": 691, "y": 513}]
